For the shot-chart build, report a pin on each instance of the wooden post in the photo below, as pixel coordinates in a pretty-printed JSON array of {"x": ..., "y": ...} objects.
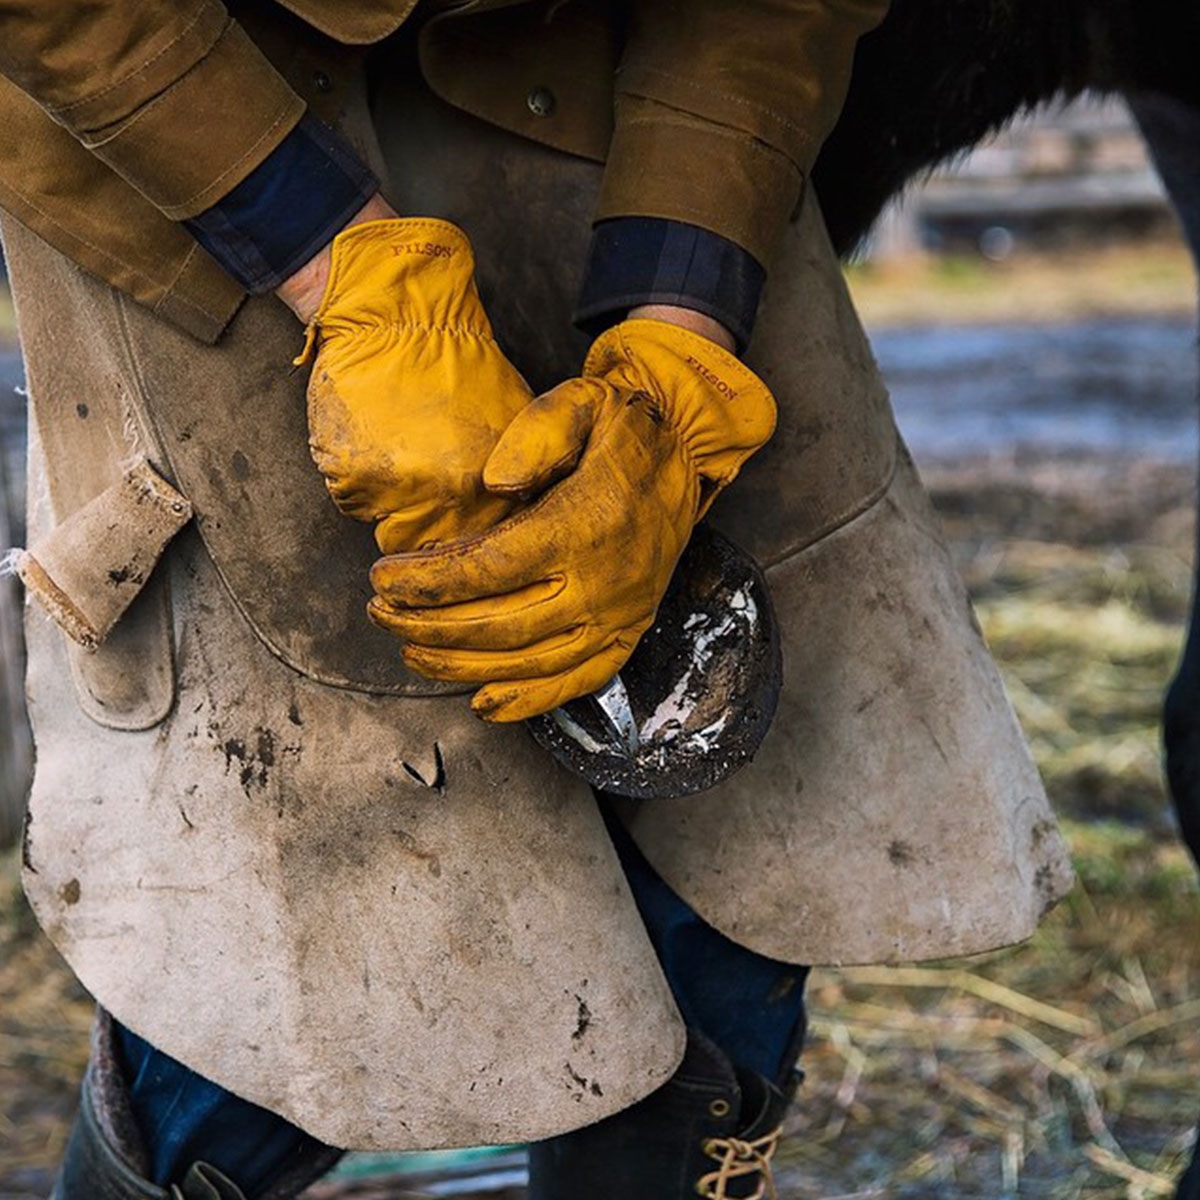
[{"x": 16, "y": 748}]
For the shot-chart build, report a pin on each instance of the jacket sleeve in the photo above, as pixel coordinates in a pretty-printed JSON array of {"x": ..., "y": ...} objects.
[
  {"x": 172, "y": 94},
  {"x": 721, "y": 109}
]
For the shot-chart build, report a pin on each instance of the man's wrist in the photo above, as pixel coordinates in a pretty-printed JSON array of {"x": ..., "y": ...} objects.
[
  {"x": 303, "y": 289},
  {"x": 688, "y": 318}
]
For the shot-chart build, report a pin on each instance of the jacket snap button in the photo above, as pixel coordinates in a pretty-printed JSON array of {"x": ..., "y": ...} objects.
[
  {"x": 321, "y": 81},
  {"x": 541, "y": 101}
]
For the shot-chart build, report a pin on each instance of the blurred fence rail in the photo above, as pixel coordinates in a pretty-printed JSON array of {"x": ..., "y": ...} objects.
[
  {"x": 1081, "y": 163},
  {"x": 16, "y": 750}
]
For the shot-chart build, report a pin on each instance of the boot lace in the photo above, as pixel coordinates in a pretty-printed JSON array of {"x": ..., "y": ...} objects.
[{"x": 735, "y": 1159}]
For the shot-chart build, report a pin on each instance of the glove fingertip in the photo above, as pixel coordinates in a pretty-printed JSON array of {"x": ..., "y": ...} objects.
[
  {"x": 376, "y": 609},
  {"x": 544, "y": 441},
  {"x": 504, "y": 476},
  {"x": 380, "y": 579},
  {"x": 428, "y": 666},
  {"x": 512, "y": 474},
  {"x": 495, "y": 705}
]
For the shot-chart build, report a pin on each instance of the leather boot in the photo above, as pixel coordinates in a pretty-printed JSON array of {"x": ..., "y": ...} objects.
[
  {"x": 105, "y": 1159},
  {"x": 710, "y": 1131}
]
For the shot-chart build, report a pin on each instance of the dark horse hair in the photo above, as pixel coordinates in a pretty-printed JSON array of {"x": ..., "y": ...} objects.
[{"x": 938, "y": 75}]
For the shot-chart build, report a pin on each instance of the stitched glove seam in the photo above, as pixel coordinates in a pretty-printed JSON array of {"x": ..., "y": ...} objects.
[{"x": 362, "y": 327}]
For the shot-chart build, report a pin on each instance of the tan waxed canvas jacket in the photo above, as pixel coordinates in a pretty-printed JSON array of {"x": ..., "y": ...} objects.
[{"x": 119, "y": 119}]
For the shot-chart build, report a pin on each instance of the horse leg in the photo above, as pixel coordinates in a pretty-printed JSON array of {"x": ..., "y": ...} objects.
[{"x": 1172, "y": 132}]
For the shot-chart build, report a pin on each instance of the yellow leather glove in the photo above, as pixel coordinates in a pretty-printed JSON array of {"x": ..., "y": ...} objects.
[
  {"x": 549, "y": 605},
  {"x": 409, "y": 392}
]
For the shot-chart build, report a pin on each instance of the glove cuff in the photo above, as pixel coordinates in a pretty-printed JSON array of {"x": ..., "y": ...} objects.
[
  {"x": 722, "y": 411},
  {"x": 403, "y": 272}
]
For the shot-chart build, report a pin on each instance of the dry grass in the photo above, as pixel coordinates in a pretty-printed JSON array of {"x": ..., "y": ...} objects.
[
  {"x": 1065, "y": 1068},
  {"x": 44, "y": 1019},
  {"x": 1068, "y": 1067},
  {"x": 1081, "y": 573}
]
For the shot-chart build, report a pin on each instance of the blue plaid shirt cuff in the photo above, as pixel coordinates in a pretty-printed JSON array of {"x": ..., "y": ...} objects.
[
  {"x": 287, "y": 208},
  {"x": 650, "y": 260}
]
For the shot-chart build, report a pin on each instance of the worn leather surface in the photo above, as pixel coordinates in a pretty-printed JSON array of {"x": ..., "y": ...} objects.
[
  {"x": 91, "y": 566},
  {"x": 659, "y": 420},
  {"x": 129, "y": 682},
  {"x": 105, "y": 1158},
  {"x": 423, "y": 920},
  {"x": 893, "y": 812},
  {"x": 393, "y": 925},
  {"x": 895, "y": 773},
  {"x": 979, "y": 858},
  {"x": 243, "y": 463},
  {"x": 81, "y": 408},
  {"x": 408, "y": 391},
  {"x": 427, "y": 955}
]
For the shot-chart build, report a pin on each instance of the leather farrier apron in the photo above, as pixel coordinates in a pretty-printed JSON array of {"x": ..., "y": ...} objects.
[{"x": 318, "y": 879}]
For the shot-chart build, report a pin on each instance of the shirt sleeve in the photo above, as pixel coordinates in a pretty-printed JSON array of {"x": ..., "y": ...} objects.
[
  {"x": 287, "y": 208},
  {"x": 647, "y": 260}
]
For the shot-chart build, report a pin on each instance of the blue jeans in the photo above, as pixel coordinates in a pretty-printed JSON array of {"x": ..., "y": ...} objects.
[{"x": 751, "y": 1006}]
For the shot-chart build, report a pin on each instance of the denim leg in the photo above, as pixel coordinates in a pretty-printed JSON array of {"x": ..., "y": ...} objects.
[
  {"x": 751, "y": 1006},
  {"x": 185, "y": 1118}
]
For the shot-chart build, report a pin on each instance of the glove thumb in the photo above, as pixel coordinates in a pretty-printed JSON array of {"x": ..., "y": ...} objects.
[{"x": 543, "y": 442}]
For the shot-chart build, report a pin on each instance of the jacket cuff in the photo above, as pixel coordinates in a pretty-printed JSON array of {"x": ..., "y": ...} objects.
[
  {"x": 646, "y": 260},
  {"x": 662, "y": 163},
  {"x": 163, "y": 147},
  {"x": 293, "y": 203}
]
